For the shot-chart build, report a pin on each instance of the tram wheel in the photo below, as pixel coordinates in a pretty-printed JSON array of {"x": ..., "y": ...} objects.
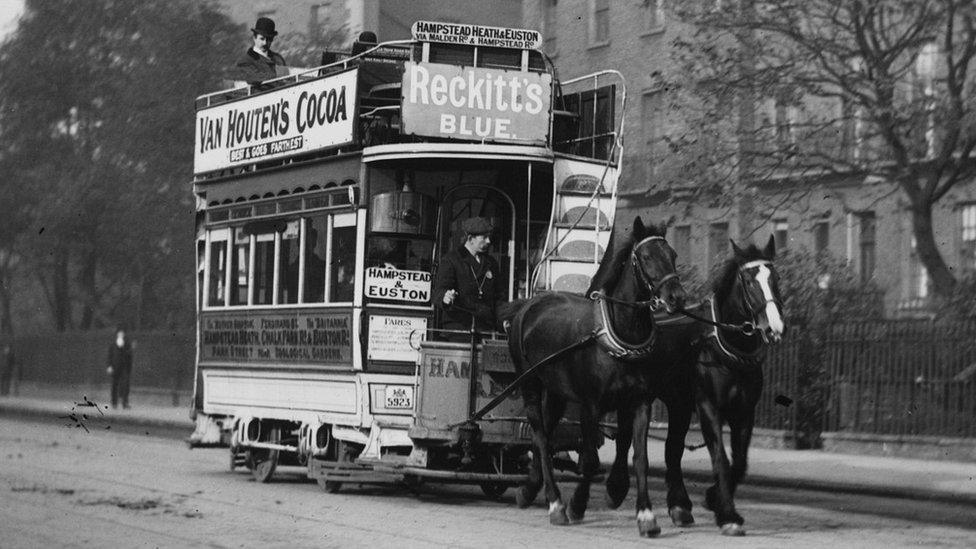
[
  {"x": 262, "y": 461},
  {"x": 493, "y": 490}
]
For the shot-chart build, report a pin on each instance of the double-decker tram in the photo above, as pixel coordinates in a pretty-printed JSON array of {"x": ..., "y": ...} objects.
[{"x": 325, "y": 201}]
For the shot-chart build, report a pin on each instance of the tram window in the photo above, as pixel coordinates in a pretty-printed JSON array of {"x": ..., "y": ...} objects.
[
  {"x": 316, "y": 231},
  {"x": 218, "y": 268},
  {"x": 288, "y": 264},
  {"x": 343, "y": 264},
  {"x": 264, "y": 268},
  {"x": 400, "y": 253},
  {"x": 240, "y": 268}
]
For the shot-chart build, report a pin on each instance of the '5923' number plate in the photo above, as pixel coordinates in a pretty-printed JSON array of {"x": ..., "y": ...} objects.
[{"x": 398, "y": 397}]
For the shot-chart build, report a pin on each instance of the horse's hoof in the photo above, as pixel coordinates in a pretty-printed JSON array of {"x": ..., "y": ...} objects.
[
  {"x": 524, "y": 497},
  {"x": 557, "y": 514},
  {"x": 681, "y": 516},
  {"x": 647, "y": 524},
  {"x": 733, "y": 529},
  {"x": 615, "y": 496},
  {"x": 574, "y": 515}
]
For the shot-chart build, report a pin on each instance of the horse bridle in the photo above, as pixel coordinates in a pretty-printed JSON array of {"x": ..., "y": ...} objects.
[
  {"x": 654, "y": 287},
  {"x": 655, "y": 302},
  {"x": 754, "y": 312},
  {"x": 747, "y": 328}
]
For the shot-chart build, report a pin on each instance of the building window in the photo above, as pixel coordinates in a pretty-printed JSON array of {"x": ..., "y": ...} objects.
[
  {"x": 650, "y": 132},
  {"x": 919, "y": 282},
  {"x": 718, "y": 243},
  {"x": 967, "y": 244},
  {"x": 549, "y": 27},
  {"x": 682, "y": 244},
  {"x": 926, "y": 69},
  {"x": 821, "y": 236},
  {"x": 786, "y": 118},
  {"x": 781, "y": 236},
  {"x": 867, "y": 245},
  {"x": 653, "y": 16},
  {"x": 319, "y": 19},
  {"x": 599, "y": 22}
]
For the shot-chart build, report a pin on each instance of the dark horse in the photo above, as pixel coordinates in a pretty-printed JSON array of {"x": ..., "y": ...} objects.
[
  {"x": 716, "y": 363},
  {"x": 594, "y": 349}
]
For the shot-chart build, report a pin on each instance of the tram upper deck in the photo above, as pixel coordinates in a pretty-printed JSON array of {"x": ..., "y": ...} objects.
[{"x": 454, "y": 91}]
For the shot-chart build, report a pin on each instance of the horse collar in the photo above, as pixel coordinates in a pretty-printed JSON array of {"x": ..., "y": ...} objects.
[
  {"x": 724, "y": 348},
  {"x": 611, "y": 342}
]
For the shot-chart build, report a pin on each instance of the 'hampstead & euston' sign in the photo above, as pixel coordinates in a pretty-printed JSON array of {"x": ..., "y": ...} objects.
[
  {"x": 476, "y": 104},
  {"x": 294, "y": 120},
  {"x": 475, "y": 35}
]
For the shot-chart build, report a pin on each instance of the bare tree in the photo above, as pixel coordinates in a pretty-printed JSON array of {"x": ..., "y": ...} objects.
[{"x": 804, "y": 89}]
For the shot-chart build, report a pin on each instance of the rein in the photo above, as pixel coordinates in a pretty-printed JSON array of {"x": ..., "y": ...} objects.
[
  {"x": 747, "y": 327},
  {"x": 654, "y": 304}
]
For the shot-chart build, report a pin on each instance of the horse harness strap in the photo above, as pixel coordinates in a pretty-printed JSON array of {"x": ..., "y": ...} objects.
[
  {"x": 526, "y": 374},
  {"x": 611, "y": 343}
]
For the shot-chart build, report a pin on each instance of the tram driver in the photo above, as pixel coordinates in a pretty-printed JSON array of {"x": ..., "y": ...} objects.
[{"x": 466, "y": 285}]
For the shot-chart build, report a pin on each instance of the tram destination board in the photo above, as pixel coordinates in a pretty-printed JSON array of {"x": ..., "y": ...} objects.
[{"x": 299, "y": 337}]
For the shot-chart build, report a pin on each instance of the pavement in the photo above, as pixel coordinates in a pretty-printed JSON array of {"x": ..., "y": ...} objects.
[{"x": 891, "y": 477}]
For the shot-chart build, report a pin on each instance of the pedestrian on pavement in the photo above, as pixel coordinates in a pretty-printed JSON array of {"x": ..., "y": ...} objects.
[
  {"x": 259, "y": 62},
  {"x": 7, "y": 374},
  {"x": 120, "y": 367},
  {"x": 467, "y": 279}
]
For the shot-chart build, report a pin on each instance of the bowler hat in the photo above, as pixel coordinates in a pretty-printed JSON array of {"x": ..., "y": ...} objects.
[
  {"x": 265, "y": 27},
  {"x": 476, "y": 225}
]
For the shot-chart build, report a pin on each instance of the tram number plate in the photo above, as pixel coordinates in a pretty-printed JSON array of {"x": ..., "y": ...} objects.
[{"x": 399, "y": 397}]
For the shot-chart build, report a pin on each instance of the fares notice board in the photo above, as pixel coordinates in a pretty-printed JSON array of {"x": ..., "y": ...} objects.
[
  {"x": 309, "y": 338},
  {"x": 296, "y": 119},
  {"x": 476, "y": 104}
]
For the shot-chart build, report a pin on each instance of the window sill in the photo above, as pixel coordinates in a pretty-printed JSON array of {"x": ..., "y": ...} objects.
[{"x": 653, "y": 31}]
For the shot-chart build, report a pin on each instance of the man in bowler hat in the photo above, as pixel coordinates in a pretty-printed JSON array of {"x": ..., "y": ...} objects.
[
  {"x": 467, "y": 281},
  {"x": 260, "y": 63},
  {"x": 120, "y": 367}
]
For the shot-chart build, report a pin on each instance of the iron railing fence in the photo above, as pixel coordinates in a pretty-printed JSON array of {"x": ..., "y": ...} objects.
[{"x": 886, "y": 377}]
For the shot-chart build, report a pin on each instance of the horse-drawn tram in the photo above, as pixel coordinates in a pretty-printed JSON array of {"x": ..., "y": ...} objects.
[{"x": 326, "y": 200}]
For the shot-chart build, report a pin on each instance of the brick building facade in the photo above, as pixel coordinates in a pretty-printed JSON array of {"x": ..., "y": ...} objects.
[{"x": 857, "y": 218}]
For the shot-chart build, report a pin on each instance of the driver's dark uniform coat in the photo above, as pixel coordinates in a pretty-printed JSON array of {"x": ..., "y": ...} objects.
[{"x": 476, "y": 284}]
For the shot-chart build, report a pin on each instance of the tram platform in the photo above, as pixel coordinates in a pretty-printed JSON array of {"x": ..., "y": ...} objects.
[{"x": 911, "y": 479}]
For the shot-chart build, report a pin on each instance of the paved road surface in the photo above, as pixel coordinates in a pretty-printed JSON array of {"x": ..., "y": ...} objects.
[{"x": 64, "y": 487}]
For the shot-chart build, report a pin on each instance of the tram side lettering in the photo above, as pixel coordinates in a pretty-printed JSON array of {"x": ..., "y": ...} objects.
[{"x": 303, "y": 338}]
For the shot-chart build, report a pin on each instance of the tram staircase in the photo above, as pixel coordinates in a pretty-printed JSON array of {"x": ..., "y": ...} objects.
[
  {"x": 578, "y": 236},
  {"x": 585, "y": 171}
]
